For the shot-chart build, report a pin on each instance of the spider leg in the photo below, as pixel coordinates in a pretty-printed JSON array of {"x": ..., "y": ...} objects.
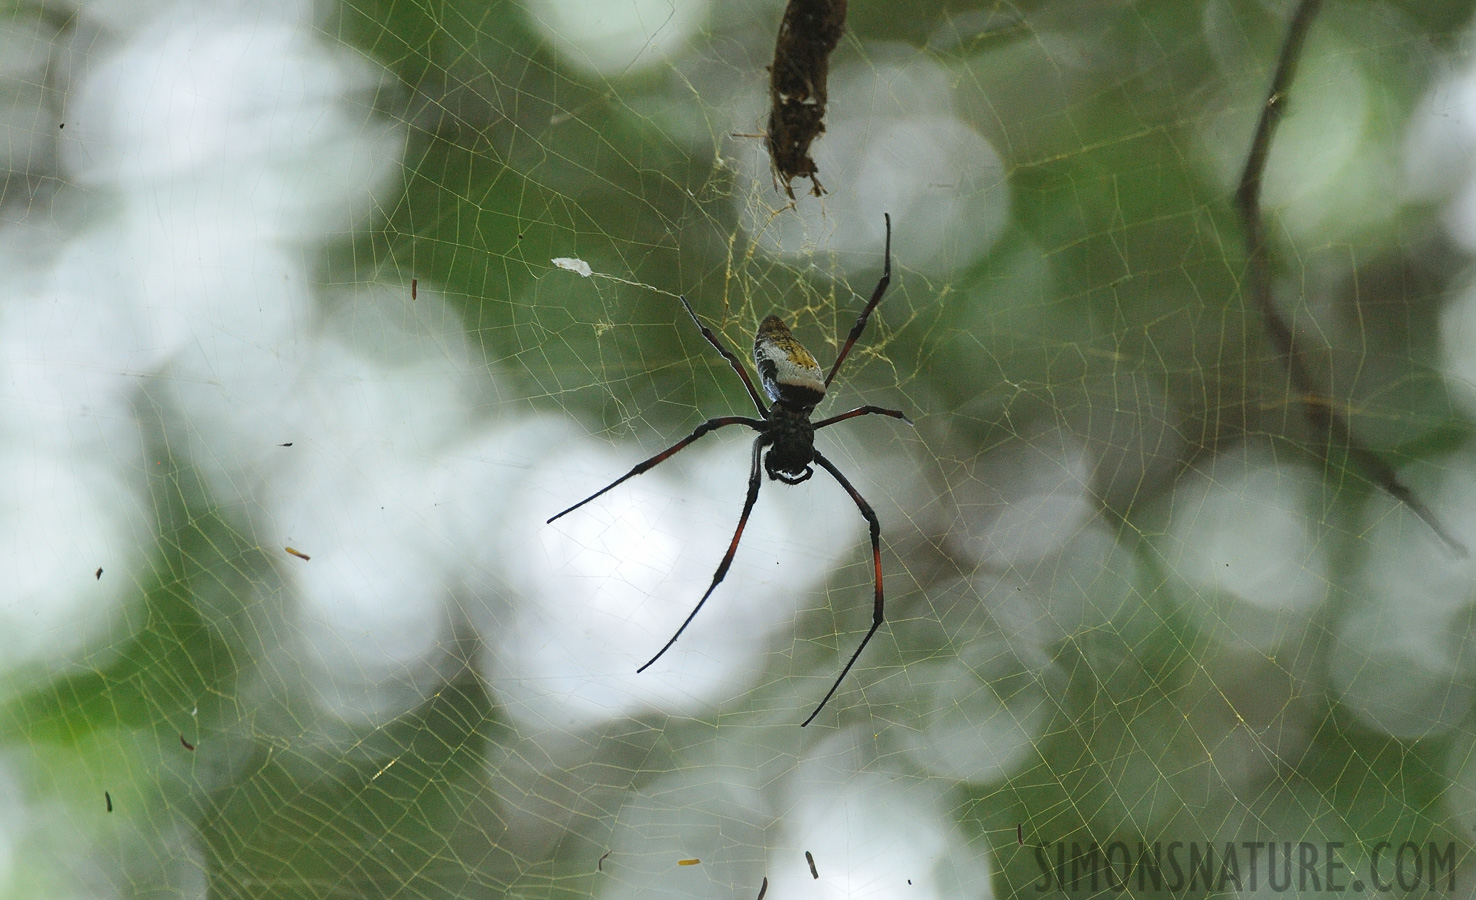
[
  {"x": 879, "y": 606},
  {"x": 863, "y": 411},
  {"x": 876, "y": 295},
  {"x": 664, "y": 455},
  {"x": 728, "y": 355},
  {"x": 754, "y": 480}
]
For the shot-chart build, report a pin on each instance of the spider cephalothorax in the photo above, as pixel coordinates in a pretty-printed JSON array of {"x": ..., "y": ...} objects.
[
  {"x": 792, "y": 381},
  {"x": 792, "y": 445}
]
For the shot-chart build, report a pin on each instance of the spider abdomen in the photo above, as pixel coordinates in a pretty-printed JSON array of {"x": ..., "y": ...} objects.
[{"x": 788, "y": 372}]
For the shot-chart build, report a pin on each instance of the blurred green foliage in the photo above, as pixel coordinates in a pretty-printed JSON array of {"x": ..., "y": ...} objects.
[{"x": 1123, "y": 259}]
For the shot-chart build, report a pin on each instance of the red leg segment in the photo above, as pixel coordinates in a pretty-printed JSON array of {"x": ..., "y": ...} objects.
[
  {"x": 664, "y": 455},
  {"x": 879, "y": 605},
  {"x": 754, "y": 480}
]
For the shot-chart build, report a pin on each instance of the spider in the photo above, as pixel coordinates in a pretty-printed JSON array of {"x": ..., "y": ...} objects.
[{"x": 792, "y": 381}]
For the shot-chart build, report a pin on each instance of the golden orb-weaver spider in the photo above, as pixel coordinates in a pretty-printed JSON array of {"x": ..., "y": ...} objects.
[{"x": 791, "y": 378}]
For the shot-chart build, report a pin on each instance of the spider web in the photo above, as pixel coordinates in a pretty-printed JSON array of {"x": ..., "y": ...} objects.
[{"x": 315, "y": 313}]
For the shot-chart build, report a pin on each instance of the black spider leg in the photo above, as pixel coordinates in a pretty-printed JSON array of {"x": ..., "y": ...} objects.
[
  {"x": 664, "y": 455},
  {"x": 754, "y": 480},
  {"x": 728, "y": 355},
  {"x": 880, "y": 605},
  {"x": 876, "y": 295},
  {"x": 863, "y": 411}
]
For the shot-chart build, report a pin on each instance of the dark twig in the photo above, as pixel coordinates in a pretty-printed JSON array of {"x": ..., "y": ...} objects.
[{"x": 1324, "y": 418}]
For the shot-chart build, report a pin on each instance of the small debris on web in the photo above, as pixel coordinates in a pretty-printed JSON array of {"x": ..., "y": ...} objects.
[
  {"x": 601, "y": 864},
  {"x": 811, "y": 860},
  {"x": 98, "y": 573},
  {"x": 688, "y": 862},
  {"x": 186, "y": 744},
  {"x": 578, "y": 266},
  {"x": 763, "y": 888},
  {"x": 109, "y": 799},
  {"x": 414, "y": 283},
  {"x": 297, "y": 553}
]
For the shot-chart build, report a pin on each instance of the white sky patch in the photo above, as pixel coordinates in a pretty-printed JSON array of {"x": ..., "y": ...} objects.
[
  {"x": 64, "y": 515},
  {"x": 617, "y": 37},
  {"x": 237, "y": 139},
  {"x": 1092, "y": 581},
  {"x": 869, "y": 833},
  {"x": 244, "y": 124},
  {"x": 373, "y": 598},
  {"x": 980, "y": 711},
  {"x": 228, "y": 142},
  {"x": 892, "y": 144},
  {"x": 70, "y": 364},
  {"x": 1243, "y": 543},
  {"x": 1326, "y": 172},
  {"x": 242, "y": 73},
  {"x": 599, "y": 591},
  {"x": 1403, "y": 652},
  {"x": 573, "y": 265},
  {"x": 1399, "y": 662},
  {"x": 710, "y": 813},
  {"x": 1026, "y": 501},
  {"x": 1440, "y": 153},
  {"x": 373, "y": 408}
]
